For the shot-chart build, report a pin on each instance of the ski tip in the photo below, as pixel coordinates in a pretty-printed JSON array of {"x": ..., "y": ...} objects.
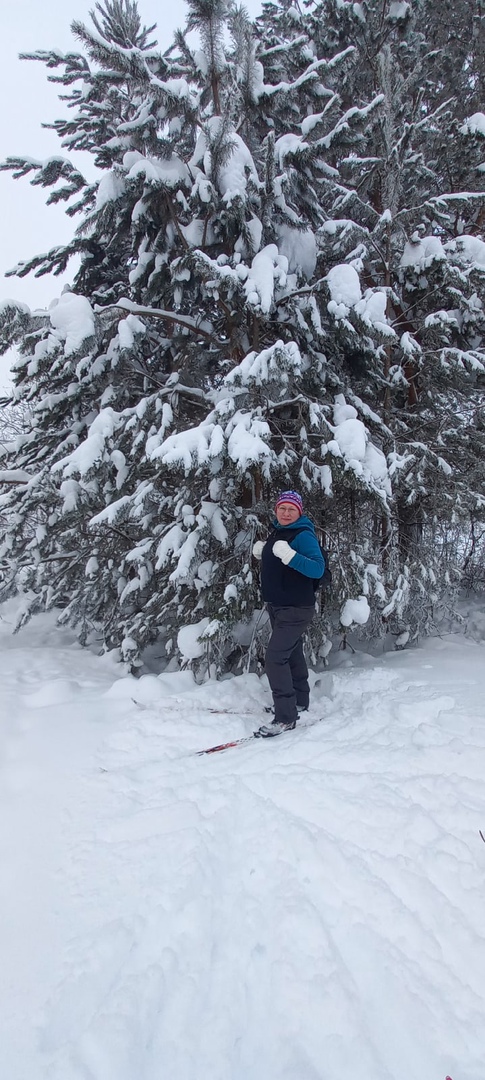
[
  {"x": 215, "y": 749},
  {"x": 224, "y": 746}
]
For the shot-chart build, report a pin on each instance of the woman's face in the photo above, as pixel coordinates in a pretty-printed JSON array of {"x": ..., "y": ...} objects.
[{"x": 286, "y": 513}]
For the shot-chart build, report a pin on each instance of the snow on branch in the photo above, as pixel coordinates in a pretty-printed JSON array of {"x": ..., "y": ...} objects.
[
  {"x": 14, "y": 476},
  {"x": 73, "y": 318},
  {"x": 14, "y": 318},
  {"x": 241, "y": 436},
  {"x": 158, "y": 313},
  {"x": 474, "y": 125},
  {"x": 94, "y": 448},
  {"x": 312, "y": 72},
  {"x": 352, "y": 116},
  {"x": 47, "y": 173},
  {"x": 285, "y": 47},
  {"x": 271, "y": 366},
  {"x": 54, "y": 261},
  {"x": 198, "y": 444},
  {"x": 346, "y": 296}
]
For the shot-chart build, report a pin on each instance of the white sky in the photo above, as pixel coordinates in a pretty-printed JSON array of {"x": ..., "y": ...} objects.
[{"x": 27, "y": 226}]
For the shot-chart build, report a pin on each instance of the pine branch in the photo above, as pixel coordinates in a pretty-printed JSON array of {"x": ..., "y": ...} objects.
[{"x": 158, "y": 313}]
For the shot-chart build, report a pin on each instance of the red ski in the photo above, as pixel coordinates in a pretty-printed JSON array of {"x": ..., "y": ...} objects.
[
  {"x": 225, "y": 745},
  {"x": 255, "y": 735}
]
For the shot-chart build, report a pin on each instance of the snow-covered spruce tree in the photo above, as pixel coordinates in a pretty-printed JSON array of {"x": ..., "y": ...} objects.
[
  {"x": 213, "y": 346},
  {"x": 408, "y": 214}
]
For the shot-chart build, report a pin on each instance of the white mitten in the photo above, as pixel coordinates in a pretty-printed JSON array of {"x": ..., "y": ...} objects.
[
  {"x": 258, "y": 548},
  {"x": 283, "y": 551}
]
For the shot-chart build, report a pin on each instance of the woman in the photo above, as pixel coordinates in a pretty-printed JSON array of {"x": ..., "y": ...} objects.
[{"x": 291, "y": 566}]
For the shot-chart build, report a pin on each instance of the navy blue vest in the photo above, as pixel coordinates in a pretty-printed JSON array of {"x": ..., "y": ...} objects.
[{"x": 280, "y": 585}]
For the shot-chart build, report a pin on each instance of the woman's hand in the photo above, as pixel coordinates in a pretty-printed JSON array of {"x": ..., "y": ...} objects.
[{"x": 283, "y": 551}]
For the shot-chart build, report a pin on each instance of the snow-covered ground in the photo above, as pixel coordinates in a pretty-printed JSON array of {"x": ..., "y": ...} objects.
[{"x": 307, "y": 908}]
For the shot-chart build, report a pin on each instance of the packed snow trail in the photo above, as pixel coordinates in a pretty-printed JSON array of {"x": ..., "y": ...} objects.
[{"x": 306, "y": 908}]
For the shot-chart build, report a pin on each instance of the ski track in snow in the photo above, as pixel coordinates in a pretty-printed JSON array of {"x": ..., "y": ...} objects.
[{"x": 308, "y": 908}]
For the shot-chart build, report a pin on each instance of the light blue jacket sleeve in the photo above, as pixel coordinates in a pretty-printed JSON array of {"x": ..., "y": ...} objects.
[{"x": 309, "y": 559}]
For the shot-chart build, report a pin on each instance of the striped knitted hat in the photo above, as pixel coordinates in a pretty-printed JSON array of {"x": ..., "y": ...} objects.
[{"x": 290, "y": 497}]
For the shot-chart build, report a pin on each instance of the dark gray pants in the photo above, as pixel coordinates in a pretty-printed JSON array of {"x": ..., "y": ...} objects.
[{"x": 285, "y": 663}]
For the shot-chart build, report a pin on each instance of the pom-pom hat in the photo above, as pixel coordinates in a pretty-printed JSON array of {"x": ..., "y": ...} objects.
[{"x": 291, "y": 497}]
